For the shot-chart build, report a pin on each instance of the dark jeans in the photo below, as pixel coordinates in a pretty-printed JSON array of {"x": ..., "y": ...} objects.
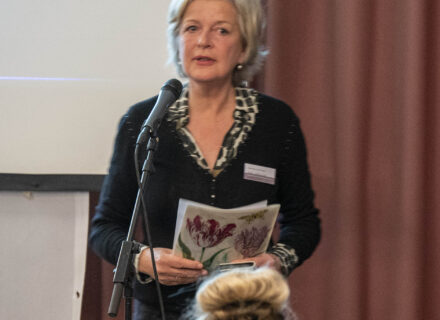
[{"x": 141, "y": 311}]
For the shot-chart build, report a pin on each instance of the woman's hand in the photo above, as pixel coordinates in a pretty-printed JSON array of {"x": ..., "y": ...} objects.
[
  {"x": 171, "y": 270},
  {"x": 264, "y": 259}
]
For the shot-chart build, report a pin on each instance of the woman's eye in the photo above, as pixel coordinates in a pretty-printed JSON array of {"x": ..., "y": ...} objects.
[
  {"x": 191, "y": 28},
  {"x": 223, "y": 31}
]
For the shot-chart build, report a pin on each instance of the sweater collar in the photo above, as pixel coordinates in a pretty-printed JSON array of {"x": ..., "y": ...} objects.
[{"x": 246, "y": 107}]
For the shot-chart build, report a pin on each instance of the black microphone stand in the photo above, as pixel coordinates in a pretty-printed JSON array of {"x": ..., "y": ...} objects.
[{"x": 124, "y": 271}]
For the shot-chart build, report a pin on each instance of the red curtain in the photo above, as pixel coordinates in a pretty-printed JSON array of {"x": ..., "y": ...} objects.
[{"x": 363, "y": 76}]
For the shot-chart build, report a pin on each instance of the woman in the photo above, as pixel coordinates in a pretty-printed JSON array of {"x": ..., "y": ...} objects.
[
  {"x": 210, "y": 136},
  {"x": 260, "y": 294}
]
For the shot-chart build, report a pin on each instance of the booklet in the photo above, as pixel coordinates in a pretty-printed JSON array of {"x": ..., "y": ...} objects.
[{"x": 212, "y": 235}]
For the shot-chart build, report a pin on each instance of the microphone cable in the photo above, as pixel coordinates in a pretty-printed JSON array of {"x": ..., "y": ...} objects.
[{"x": 146, "y": 228}]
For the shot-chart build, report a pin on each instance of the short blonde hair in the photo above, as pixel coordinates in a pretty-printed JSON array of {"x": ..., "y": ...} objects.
[
  {"x": 243, "y": 294},
  {"x": 252, "y": 25}
]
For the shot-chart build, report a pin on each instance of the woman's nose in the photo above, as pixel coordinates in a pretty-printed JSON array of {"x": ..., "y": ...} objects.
[{"x": 204, "y": 39}]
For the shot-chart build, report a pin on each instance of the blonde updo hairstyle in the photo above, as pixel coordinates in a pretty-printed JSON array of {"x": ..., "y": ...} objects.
[
  {"x": 252, "y": 25},
  {"x": 243, "y": 295}
]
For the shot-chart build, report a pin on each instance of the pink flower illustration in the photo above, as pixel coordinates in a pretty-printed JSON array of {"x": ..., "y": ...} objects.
[
  {"x": 249, "y": 241},
  {"x": 208, "y": 234}
]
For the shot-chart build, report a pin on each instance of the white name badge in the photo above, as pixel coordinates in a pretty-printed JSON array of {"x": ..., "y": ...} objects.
[{"x": 259, "y": 173}]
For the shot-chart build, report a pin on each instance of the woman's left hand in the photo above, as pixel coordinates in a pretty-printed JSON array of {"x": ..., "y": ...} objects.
[{"x": 264, "y": 259}]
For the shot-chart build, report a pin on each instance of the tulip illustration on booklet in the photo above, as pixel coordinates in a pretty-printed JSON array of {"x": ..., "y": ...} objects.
[{"x": 212, "y": 235}]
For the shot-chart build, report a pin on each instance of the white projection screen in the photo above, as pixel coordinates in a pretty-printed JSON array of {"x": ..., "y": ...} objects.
[{"x": 68, "y": 72}]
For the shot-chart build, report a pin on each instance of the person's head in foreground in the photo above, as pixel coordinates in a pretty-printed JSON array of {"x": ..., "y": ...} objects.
[{"x": 260, "y": 294}]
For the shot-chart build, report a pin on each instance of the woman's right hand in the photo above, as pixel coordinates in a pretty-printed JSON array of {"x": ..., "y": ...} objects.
[{"x": 171, "y": 270}]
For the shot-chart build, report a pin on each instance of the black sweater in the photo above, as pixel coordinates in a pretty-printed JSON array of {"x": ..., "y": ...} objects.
[{"x": 275, "y": 141}]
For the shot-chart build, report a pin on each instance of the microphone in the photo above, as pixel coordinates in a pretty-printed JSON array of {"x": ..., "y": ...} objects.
[{"x": 168, "y": 94}]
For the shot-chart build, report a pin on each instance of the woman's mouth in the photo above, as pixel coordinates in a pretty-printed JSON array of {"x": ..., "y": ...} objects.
[{"x": 203, "y": 60}]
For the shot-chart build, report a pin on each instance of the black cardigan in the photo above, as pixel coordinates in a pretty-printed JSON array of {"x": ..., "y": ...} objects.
[{"x": 276, "y": 141}]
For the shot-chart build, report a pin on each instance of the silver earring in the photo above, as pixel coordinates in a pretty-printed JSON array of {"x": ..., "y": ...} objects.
[{"x": 239, "y": 67}]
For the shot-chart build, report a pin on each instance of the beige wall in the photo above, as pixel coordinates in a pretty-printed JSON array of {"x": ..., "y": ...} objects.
[
  {"x": 43, "y": 243},
  {"x": 68, "y": 71}
]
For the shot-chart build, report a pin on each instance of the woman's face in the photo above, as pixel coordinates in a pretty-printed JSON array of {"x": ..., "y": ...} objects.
[{"x": 210, "y": 43}]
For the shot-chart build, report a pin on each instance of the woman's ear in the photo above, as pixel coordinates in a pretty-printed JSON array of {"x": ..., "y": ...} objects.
[{"x": 242, "y": 58}]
